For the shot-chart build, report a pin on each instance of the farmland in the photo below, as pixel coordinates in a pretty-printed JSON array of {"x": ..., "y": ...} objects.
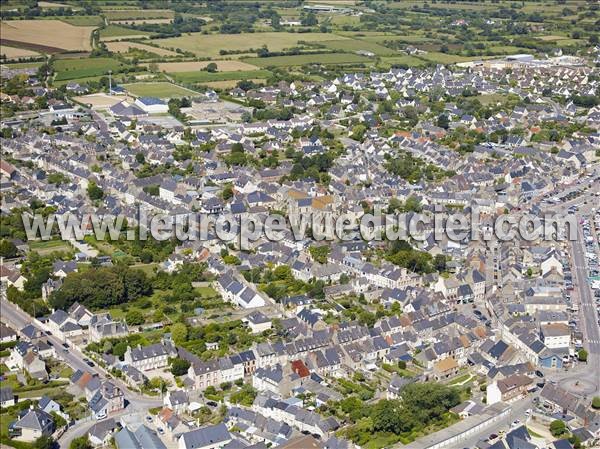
[
  {"x": 56, "y": 34},
  {"x": 316, "y": 58},
  {"x": 138, "y": 14},
  {"x": 222, "y": 66},
  {"x": 354, "y": 45},
  {"x": 115, "y": 32},
  {"x": 209, "y": 45},
  {"x": 68, "y": 69},
  {"x": 201, "y": 77},
  {"x": 159, "y": 89},
  {"x": 124, "y": 47},
  {"x": 15, "y": 53}
]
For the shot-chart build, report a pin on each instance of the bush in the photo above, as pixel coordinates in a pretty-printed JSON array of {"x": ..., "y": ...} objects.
[{"x": 596, "y": 402}]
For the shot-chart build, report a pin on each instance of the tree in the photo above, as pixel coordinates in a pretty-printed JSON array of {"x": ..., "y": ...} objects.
[
  {"x": 44, "y": 442},
  {"x": 179, "y": 366},
  {"x": 81, "y": 443},
  {"x": 582, "y": 355},
  {"x": 443, "y": 121},
  {"x": 179, "y": 333},
  {"x": 134, "y": 318},
  {"x": 101, "y": 287},
  {"x": 7, "y": 249},
  {"x": 211, "y": 67},
  {"x": 94, "y": 192},
  {"x": 140, "y": 158},
  {"x": 227, "y": 192},
  {"x": 119, "y": 349},
  {"x": 596, "y": 402},
  {"x": 558, "y": 428},
  {"x": 358, "y": 132}
]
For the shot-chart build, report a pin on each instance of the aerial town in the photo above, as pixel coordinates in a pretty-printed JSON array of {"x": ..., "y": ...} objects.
[{"x": 117, "y": 115}]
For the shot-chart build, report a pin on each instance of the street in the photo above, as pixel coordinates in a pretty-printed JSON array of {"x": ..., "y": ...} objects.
[{"x": 136, "y": 402}]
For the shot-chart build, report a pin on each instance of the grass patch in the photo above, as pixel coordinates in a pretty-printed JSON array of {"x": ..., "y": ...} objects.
[
  {"x": 408, "y": 60},
  {"x": 354, "y": 45},
  {"x": 209, "y": 45},
  {"x": 200, "y": 77},
  {"x": 313, "y": 58},
  {"x": 68, "y": 69},
  {"x": 159, "y": 90},
  {"x": 82, "y": 21},
  {"x": 138, "y": 14},
  {"x": 118, "y": 31},
  {"x": 44, "y": 248}
]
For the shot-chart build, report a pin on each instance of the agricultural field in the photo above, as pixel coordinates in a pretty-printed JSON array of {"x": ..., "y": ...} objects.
[
  {"x": 15, "y": 53},
  {"x": 202, "y": 77},
  {"x": 138, "y": 14},
  {"x": 159, "y": 90},
  {"x": 314, "y": 58},
  {"x": 411, "y": 61},
  {"x": 117, "y": 32},
  {"x": 355, "y": 45},
  {"x": 209, "y": 45},
  {"x": 140, "y": 21},
  {"x": 57, "y": 35},
  {"x": 68, "y": 69},
  {"x": 80, "y": 21},
  {"x": 222, "y": 66},
  {"x": 230, "y": 84},
  {"x": 124, "y": 47}
]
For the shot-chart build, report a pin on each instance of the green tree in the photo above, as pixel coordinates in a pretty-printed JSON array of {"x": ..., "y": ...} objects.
[
  {"x": 179, "y": 333},
  {"x": 558, "y": 428},
  {"x": 179, "y": 366},
  {"x": 7, "y": 249},
  {"x": 134, "y": 318},
  {"x": 81, "y": 443},
  {"x": 94, "y": 192},
  {"x": 596, "y": 402},
  {"x": 582, "y": 355},
  {"x": 45, "y": 442},
  {"x": 211, "y": 67}
]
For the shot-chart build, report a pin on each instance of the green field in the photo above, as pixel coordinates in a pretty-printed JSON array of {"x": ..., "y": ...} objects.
[
  {"x": 443, "y": 58},
  {"x": 81, "y": 21},
  {"x": 204, "y": 77},
  {"x": 23, "y": 65},
  {"x": 315, "y": 58},
  {"x": 44, "y": 248},
  {"x": 410, "y": 61},
  {"x": 68, "y": 69},
  {"x": 209, "y": 45},
  {"x": 138, "y": 14},
  {"x": 354, "y": 45},
  {"x": 159, "y": 90},
  {"x": 118, "y": 31}
]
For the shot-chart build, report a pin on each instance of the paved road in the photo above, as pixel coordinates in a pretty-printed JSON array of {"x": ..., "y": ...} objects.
[
  {"x": 74, "y": 358},
  {"x": 588, "y": 313}
]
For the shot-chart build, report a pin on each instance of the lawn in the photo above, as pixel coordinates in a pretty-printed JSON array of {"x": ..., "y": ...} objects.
[
  {"x": 209, "y": 45},
  {"x": 112, "y": 31},
  {"x": 50, "y": 246},
  {"x": 200, "y": 77},
  {"x": 159, "y": 90},
  {"x": 313, "y": 58},
  {"x": 68, "y": 69}
]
